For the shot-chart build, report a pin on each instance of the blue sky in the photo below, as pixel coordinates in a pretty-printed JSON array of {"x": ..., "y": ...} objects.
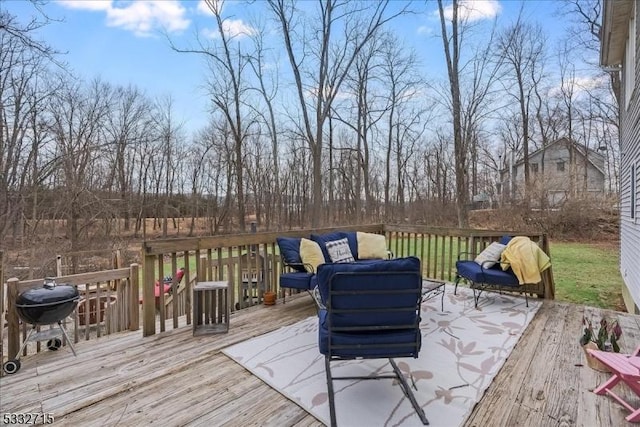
[{"x": 122, "y": 41}]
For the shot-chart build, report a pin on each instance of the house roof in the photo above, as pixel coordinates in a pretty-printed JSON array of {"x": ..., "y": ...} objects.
[
  {"x": 614, "y": 31},
  {"x": 578, "y": 147}
]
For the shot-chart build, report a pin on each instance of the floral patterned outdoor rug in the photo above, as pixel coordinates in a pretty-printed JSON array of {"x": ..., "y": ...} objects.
[{"x": 463, "y": 348}]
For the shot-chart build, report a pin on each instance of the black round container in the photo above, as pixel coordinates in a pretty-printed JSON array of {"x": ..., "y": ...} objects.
[{"x": 46, "y": 305}]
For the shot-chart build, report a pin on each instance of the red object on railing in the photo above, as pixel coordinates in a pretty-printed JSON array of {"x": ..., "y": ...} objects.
[{"x": 166, "y": 285}]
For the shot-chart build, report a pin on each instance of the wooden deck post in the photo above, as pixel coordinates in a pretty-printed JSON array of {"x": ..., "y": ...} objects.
[
  {"x": 134, "y": 305},
  {"x": 13, "y": 327},
  {"x": 547, "y": 275},
  {"x": 148, "y": 297}
]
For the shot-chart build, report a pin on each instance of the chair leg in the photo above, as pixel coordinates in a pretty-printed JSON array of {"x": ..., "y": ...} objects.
[
  {"x": 634, "y": 417},
  {"x": 332, "y": 403},
  {"x": 607, "y": 385},
  {"x": 455, "y": 290},
  {"x": 477, "y": 291},
  {"x": 407, "y": 392}
]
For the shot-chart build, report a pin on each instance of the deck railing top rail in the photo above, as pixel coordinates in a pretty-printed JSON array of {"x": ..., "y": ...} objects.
[{"x": 165, "y": 246}]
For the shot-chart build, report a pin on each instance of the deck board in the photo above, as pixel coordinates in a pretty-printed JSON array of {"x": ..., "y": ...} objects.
[{"x": 174, "y": 378}]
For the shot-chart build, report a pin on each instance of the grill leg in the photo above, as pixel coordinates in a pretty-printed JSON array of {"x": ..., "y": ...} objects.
[
  {"x": 67, "y": 337},
  {"x": 25, "y": 342}
]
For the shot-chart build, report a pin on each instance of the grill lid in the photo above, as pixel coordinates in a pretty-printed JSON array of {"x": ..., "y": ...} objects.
[{"x": 49, "y": 294}]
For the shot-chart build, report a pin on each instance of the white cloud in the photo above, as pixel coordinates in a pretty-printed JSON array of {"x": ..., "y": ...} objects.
[
  {"x": 474, "y": 10},
  {"x": 232, "y": 28},
  {"x": 94, "y": 5},
  {"x": 425, "y": 30},
  {"x": 139, "y": 17},
  {"x": 581, "y": 84}
]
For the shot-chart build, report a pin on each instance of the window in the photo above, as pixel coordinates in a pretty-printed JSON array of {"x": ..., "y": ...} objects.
[
  {"x": 560, "y": 166},
  {"x": 629, "y": 62},
  {"x": 534, "y": 167}
]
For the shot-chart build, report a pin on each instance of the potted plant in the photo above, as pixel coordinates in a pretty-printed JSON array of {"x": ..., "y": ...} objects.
[
  {"x": 269, "y": 298},
  {"x": 604, "y": 338}
]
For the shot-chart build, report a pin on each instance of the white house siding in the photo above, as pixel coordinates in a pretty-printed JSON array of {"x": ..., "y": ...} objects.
[{"x": 630, "y": 155}]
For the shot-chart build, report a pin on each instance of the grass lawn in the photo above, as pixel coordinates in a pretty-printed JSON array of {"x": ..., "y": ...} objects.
[{"x": 588, "y": 274}]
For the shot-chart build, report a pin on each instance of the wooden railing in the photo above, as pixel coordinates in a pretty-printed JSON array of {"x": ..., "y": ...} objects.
[
  {"x": 229, "y": 257},
  {"x": 109, "y": 303},
  {"x": 438, "y": 249},
  {"x": 250, "y": 263},
  {"x": 254, "y": 257}
]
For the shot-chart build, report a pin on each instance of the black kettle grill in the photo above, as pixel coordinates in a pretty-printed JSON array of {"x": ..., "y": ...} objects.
[{"x": 49, "y": 304}]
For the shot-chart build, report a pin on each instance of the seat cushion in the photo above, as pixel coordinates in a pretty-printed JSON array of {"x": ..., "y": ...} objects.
[
  {"x": 296, "y": 280},
  {"x": 323, "y": 239},
  {"x": 470, "y": 270},
  {"x": 409, "y": 341},
  {"x": 290, "y": 251}
]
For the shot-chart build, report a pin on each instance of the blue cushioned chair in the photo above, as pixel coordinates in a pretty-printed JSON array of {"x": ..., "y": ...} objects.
[
  {"x": 481, "y": 278},
  {"x": 370, "y": 311},
  {"x": 299, "y": 276}
]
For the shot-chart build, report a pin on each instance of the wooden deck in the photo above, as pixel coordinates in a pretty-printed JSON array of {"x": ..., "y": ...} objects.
[{"x": 174, "y": 378}]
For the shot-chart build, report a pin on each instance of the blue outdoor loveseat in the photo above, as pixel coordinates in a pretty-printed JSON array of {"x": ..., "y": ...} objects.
[{"x": 300, "y": 275}]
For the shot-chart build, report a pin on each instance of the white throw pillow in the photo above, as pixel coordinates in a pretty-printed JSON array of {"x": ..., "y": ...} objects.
[
  {"x": 339, "y": 251},
  {"x": 490, "y": 255}
]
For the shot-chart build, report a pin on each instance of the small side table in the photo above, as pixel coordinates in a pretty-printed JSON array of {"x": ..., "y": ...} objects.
[
  {"x": 431, "y": 288},
  {"x": 210, "y": 308}
]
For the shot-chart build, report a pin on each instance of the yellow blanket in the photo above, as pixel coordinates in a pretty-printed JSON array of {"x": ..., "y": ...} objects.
[{"x": 526, "y": 259}]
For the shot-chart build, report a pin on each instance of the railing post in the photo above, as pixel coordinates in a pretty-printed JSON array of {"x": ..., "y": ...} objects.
[
  {"x": 134, "y": 297},
  {"x": 117, "y": 259},
  {"x": 13, "y": 327},
  {"x": 148, "y": 297},
  {"x": 547, "y": 275}
]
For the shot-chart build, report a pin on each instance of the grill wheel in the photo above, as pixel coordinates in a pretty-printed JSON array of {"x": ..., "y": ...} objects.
[{"x": 11, "y": 366}]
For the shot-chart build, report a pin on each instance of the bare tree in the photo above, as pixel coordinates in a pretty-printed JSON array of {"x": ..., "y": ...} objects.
[
  {"x": 169, "y": 137},
  {"x": 78, "y": 117},
  {"x": 23, "y": 92},
  {"x": 404, "y": 118},
  {"x": 567, "y": 98},
  {"x": 228, "y": 91},
  {"x": 327, "y": 65},
  {"x": 470, "y": 90},
  {"x": 267, "y": 87},
  {"x": 129, "y": 122},
  {"x": 26, "y": 33},
  {"x": 452, "y": 53},
  {"x": 363, "y": 112},
  {"x": 521, "y": 47}
]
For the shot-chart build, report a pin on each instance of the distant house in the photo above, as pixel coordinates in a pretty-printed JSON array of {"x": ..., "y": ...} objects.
[
  {"x": 618, "y": 55},
  {"x": 559, "y": 171}
]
